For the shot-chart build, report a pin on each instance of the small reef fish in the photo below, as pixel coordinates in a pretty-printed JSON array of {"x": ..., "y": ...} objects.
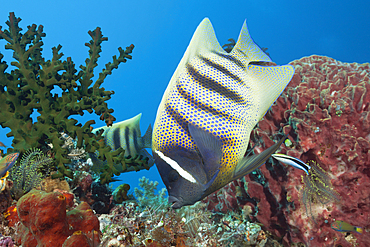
[
  {"x": 126, "y": 134},
  {"x": 5, "y": 164},
  {"x": 289, "y": 160},
  {"x": 342, "y": 226},
  {"x": 211, "y": 105},
  {"x": 316, "y": 182}
]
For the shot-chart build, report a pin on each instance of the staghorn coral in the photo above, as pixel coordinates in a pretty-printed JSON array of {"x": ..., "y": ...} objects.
[{"x": 28, "y": 87}]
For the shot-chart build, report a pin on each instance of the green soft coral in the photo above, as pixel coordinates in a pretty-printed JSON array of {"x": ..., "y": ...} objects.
[{"x": 28, "y": 87}]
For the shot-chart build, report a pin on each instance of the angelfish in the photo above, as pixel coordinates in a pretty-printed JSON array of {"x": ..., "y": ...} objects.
[
  {"x": 212, "y": 103},
  {"x": 127, "y": 134}
]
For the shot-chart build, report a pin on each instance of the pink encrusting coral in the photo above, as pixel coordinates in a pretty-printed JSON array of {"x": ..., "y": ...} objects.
[{"x": 325, "y": 110}]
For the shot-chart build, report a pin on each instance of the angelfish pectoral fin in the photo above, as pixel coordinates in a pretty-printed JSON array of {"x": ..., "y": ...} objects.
[
  {"x": 289, "y": 160},
  {"x": 210, "y": 182},
  {"x": 250, "y": 163},
  {"x": 209, "y": 146}
]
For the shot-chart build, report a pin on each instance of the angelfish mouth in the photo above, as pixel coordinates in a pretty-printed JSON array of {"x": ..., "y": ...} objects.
[{"x": 175, "y": 202}]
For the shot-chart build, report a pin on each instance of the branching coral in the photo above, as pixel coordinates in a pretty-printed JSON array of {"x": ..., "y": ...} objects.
[
  {"x": 29, "y": 87},
  {"x": 147, "y": 197}
]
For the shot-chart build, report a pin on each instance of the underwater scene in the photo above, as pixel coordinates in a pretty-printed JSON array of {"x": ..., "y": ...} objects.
[{"x": 198, "y": 123}]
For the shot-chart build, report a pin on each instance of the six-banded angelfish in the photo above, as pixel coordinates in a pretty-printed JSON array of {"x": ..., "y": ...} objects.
[
  {"x": 212, "y": 103},
  {"x": 126, "y": 134},
  {"x": 289, "y": 160},
  {"x": 5, "y": 164}
]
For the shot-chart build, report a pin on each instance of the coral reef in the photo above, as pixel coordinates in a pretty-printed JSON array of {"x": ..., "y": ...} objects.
[
  {"x": 28, "y": 173},
  {"x": 6, "y": 197},
  {"x": 147, "y": 197},
  {"x": 97, "y": 195},
  {"x": 120, "y": 193},
  {"x": 325, "y": 110},
  {"x": 49, "y": 185},
  {"x": 6, "y": 242},
  {"x": 29, "y": 87},
  {"x": 129, "y": 224},
  {"x": 11, "y": 215},
  {"x": 44, "y": 220}
]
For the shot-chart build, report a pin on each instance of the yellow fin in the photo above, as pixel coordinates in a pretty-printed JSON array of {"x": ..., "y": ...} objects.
[
  {"x": 268, "y": 82},
  {"x": 203, "y": 41},
  {"x": 248, "y": 48},
  {"x": 359, "y": 230}
]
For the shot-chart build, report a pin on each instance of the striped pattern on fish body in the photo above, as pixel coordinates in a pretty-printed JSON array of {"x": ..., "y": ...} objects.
[
  {"x": 218, "y": 97},
  {"x": 127, "y": 134}
]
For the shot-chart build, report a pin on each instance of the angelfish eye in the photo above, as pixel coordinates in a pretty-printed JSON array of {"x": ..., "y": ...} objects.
[{"x": 173, "y": 176}]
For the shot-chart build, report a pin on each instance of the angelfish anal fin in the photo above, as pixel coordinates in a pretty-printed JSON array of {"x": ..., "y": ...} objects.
[
  {"x": 210, "y": 148},
  {"x": 252, "y": 162}
]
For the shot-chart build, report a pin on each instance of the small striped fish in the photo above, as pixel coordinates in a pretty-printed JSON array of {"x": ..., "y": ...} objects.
[
  {"x": 126, "y": 134},
  {"x": 206, "y": 115}
]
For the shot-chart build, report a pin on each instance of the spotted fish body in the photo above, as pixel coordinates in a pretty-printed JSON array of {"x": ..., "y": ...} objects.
[
  {"x": 127, "y": 134},
  {"x": 205, "y": 118}
]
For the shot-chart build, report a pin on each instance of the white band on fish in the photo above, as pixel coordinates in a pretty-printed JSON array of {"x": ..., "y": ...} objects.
[
  {"x": 289, "y": 160},
  {"x": 176, "y": 167}
]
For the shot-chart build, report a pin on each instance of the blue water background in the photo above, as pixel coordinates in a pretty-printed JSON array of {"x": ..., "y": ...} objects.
[{"x": 161, "y": 31}]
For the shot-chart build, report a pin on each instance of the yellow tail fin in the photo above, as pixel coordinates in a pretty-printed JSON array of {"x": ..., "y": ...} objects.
[{"x": 359, "y": 230}]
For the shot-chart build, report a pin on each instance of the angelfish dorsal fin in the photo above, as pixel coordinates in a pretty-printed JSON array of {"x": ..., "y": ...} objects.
[
  {"x": 250, "y": 163},
  {"x": 246, "y": 46},
  {"x": 203, "y": 41}
]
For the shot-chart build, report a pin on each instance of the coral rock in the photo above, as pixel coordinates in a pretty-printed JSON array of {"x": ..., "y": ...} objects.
[
  {"x": 11, "y": 215},
  {"x": 5, "y": 197},
  {"x": 80, "y": 239},
  {"x": 45, "y": 221}
]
